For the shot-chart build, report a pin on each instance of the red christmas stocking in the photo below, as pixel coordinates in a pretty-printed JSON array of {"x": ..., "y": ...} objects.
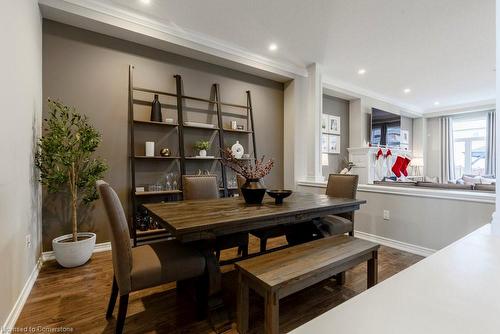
[
  {"x": 396, "y": 168},
  {"x": 379, "y": 154},
  {"x": 404, "y": 167}
]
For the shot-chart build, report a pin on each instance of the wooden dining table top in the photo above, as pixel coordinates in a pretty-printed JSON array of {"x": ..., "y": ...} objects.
[{"x": 205, "y": 219}]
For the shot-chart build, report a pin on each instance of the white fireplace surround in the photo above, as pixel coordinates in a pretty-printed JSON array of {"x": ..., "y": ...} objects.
[{"x": 364, "y": 161}]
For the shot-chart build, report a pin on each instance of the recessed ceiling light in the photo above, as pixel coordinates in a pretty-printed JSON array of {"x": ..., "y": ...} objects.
[
  {"x": 361, "y": 71},
  {"x": 407, "y": 90},
  {"x": 273, "y": 47},
  {"x": 146, "y": 2},
  {"x": 436, "y": 103}
]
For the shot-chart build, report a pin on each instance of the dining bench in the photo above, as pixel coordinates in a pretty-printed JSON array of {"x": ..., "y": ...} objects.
[{"x": 281, "y": 273}]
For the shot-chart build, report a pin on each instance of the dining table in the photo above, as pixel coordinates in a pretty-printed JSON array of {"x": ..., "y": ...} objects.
[{"x": 201, "y": 222}]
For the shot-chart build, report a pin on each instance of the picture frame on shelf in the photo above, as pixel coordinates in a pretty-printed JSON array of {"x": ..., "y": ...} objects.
[
  {"x": 334, "y": 125},
  {"x": 325, "y": 121},
  {"x": 334, "y": 144},
  {"x": 324, "y": 143},
  {"x": 404, "y": 137}
]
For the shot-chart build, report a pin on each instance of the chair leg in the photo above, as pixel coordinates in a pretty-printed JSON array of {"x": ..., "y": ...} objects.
[
  {"x": 112, "y": 299},
  {"x": 122, "y": 313}
]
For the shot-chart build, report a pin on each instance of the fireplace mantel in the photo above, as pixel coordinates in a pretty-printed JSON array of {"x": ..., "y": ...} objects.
[{"x": 364, "y": 161}]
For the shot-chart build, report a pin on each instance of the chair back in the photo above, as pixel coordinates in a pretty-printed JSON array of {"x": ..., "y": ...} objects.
[
  {"x": 120, "y": 236},
  {"x": 200, "y": 187},
  {"x": 342, "y": 186}
]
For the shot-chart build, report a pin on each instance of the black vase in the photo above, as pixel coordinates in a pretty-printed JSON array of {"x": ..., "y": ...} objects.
[
  {"x": 156, "y": 110},
  {"x": 253, "y": 191}
]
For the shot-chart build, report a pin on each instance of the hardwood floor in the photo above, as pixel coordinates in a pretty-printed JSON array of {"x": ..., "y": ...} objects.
[{"x": 77, "y": 298}]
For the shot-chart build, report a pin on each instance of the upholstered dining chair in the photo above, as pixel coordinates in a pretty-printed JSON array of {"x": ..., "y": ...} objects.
[
  {"x": 198, "y": 187},
  {"x": 144, "y": 266},
  {"x": 264, "y": 233},
  {"x": 340, "y": 186}
]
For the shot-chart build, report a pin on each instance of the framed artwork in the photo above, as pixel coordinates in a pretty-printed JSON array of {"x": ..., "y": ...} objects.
[
  {"x": 334, "y": 125},
  {"x": 324, "y": 123},
  {"x": 334, "y": 144},
  {"x": 404, "y": 136},
  {"x": 324, "y": 143}
]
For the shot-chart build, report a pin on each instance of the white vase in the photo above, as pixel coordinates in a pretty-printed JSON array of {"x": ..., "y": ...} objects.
[
  {"x": 71, "y": 254},
  {"x": 203, "y": 153},
  {"x": 150, "y": 148}
]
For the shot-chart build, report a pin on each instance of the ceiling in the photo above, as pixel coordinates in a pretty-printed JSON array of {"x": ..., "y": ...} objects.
[{"x": 443, "y": 50}]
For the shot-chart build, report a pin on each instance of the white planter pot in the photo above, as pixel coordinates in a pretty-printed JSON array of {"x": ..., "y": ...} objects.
[
  {"x": 71, "y": 254},
  {"x": 203, "y": 153}
]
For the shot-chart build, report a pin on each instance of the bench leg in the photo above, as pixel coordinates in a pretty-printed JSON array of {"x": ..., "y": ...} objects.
[
  {"x": 340, "y": 278},
  {"x": 373, "y": 270},
  {"x": 242, "y": 305},
  {"x": 271, "y": 322}
]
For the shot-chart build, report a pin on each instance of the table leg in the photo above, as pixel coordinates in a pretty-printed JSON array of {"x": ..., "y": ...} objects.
[
  {"x": 340, "y": 278},
  {"x": 372, "y": 270},
  {"x": 217, "y": 312},
  {"x": 272, "y": 319},
  {"x": 242, "y": 305}
]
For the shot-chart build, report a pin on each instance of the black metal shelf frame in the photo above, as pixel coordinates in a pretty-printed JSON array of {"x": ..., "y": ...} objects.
[{"x": 141, "y": 237}]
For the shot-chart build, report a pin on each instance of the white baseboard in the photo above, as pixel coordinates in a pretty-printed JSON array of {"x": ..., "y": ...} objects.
[
  {"x": 410, "y": 248},
  {"x": 102, "y": 247},
  {"x": 11, "y": 320}
]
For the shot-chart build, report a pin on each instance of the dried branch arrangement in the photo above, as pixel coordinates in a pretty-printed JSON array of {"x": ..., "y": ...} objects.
[{"x": 244, "y": 167}]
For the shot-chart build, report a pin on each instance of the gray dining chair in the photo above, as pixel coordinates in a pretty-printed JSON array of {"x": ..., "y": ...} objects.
[
  {"x": 144, "y": 266},
  {"x": 340, "y": 186},
  {"x": 200, "y": 187}
]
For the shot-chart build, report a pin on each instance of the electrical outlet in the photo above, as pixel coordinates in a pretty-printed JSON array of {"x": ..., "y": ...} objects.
[
  {"x": 387, "y": 215},
  {"x": 28, "y": 240}
]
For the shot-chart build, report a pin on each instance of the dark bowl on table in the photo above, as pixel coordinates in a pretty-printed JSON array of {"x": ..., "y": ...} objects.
[{"x": 279, "y": 195}]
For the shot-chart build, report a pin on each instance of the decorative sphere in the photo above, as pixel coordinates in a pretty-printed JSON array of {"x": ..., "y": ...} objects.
[{"x": 165, "y": 152}]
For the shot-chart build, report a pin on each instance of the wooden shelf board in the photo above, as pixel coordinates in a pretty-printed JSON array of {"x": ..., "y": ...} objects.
[
  {"x": 151, "y": 232},
  {"x": 155, "y": 123},
  {"x": 147, "y": 90},
  {"x": 200, "y": 127},
  {"x": 153, "y": 193},
  {"x": 241, "y": 131},
  {"x": 194, "y": 158},
  {"x": 156, "y": 157}
]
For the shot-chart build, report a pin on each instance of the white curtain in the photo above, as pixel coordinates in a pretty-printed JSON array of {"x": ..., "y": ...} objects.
[
  {"x": 447, "y": 158},
  {"x": 490, "y": 143}
]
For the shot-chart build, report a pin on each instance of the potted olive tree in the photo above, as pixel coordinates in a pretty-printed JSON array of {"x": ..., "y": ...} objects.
[{"x": 65, "y": 161}]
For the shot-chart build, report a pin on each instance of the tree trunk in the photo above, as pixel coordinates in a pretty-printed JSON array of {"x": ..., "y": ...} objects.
[{"x": 74, "y": 203}]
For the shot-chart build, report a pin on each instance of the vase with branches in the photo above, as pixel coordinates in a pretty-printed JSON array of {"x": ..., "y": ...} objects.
[
  {"x": 253, "y": 190},
  {"x": 65, "y": 158}
]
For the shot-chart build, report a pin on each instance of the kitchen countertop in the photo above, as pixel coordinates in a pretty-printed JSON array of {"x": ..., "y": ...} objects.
[{"x": 456, "y": 290}]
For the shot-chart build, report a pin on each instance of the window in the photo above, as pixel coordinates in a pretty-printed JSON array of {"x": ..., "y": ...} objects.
[{"x": 469, "y": 139}]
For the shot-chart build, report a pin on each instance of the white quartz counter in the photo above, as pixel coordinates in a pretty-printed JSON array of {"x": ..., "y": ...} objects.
[{"x": 456, "y": 290}]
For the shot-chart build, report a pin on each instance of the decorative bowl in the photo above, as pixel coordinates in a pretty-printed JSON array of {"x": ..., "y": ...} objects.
[{"x": 279, "y": 195}]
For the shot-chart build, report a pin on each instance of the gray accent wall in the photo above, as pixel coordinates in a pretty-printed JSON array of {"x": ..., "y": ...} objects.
[
  {"x": 90, "y": 71},
  {"x": 337, "y": 107}
]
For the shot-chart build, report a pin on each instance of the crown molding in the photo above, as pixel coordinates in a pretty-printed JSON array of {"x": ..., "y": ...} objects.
[
  {"x": 351, "y": 92},
  {"x": 462, "y": 108},
  {"x": 118, "y": 22}
]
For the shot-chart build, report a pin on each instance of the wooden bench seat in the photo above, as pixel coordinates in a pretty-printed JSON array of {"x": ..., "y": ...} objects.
[{"x": 281, "y": 273}]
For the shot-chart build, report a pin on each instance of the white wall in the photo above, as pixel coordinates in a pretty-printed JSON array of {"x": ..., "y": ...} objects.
[
  {"x": 21, "y": 96},
  {"x": 421, "y": 222}
]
